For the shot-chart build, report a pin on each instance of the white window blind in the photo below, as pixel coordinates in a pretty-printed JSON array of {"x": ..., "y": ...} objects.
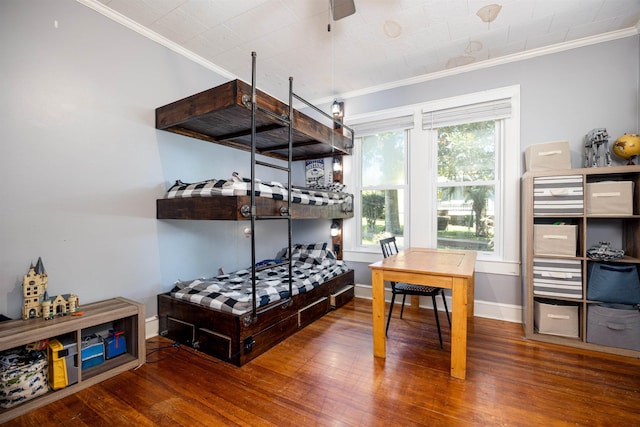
[
  {"x": 378, "y": 126},
  {"x": 483, "y": 111}
]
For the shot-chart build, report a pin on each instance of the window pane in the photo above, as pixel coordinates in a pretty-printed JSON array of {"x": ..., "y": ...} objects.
[
  {"x": 383, "y": 159},
  {"x": 466, "y": 217},
  {"x": 466, "y": 152},
  {"x": 382, "y": 213}
]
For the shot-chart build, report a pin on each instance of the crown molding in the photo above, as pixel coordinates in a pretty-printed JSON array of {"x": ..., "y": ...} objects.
[
  {"x": 533, "y": 53},
  {"x": 132, "y": 25}
]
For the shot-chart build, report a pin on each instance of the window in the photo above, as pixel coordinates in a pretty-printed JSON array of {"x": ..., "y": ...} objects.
[
  {"x": 467, "y": 140},
  {"x": 454, "y": 180},
  {"x": 382, "y": 190}
]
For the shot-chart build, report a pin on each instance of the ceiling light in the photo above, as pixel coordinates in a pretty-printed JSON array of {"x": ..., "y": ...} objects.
[{"x": 489, "y": 12}]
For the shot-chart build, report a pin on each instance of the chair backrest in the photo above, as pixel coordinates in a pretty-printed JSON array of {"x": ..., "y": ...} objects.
[{"x": 388, "y": 246}]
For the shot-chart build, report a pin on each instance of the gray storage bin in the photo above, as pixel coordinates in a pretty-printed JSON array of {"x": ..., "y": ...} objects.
[{"x": 614, "y": 325}]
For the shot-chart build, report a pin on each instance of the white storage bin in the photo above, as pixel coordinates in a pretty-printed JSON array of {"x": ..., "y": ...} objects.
[
  {"x": 547, "y": 156},
  {"x": 555, "y": 240},
  {"x": 556, "y": 319},
  {"x": 610, "y": 198}
]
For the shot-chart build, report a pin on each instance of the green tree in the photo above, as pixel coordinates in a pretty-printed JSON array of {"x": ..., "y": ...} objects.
[{"x": 372, "y": 208}]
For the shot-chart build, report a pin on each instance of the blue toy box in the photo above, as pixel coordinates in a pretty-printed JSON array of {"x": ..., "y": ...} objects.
[
  {"x": 115, "y": 344},
  {"x": 92, "y": 351}
]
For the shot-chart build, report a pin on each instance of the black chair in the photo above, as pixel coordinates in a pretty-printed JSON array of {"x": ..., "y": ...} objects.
[{"x": 389, "y": 248}]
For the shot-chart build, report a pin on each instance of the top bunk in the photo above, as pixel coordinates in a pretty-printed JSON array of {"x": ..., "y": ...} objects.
[{"x": 222, "y": 115}]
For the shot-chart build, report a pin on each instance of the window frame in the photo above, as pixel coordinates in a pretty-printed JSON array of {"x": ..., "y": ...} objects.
[{"x": 421, "y": 196}]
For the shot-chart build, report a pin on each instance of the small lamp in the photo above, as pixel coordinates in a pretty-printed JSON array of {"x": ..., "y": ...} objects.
[
  {"x": 337, "y": 108},
  {"x": 337, "y": 164},
  {"x": 335, "y": 229}
]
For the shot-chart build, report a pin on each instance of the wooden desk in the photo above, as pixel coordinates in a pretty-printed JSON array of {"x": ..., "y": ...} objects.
[{"x": 442, "y": 268}]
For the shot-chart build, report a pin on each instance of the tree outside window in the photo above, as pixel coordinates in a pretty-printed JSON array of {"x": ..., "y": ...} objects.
[
  {"x": 382, "y": 186},
  {"x": 466, "y": 185}
]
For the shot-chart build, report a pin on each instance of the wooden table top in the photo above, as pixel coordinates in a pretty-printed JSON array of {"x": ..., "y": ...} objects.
[{"x": 433, "y": 261}]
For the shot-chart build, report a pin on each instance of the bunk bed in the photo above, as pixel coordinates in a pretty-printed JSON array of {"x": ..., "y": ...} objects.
[{"x": 241, "y": 315}]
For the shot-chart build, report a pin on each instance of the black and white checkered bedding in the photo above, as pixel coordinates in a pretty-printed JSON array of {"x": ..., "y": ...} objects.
[
  {"x": 312, "y": 265},
  {"x": 238, "y": 186}
]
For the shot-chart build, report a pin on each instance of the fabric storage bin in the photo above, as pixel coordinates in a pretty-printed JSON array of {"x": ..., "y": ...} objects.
[
  {"x": 115, "y": 344},
  {"x": 610, "y": 198},
  {"x": 555, "y": 318},
  {"x": 617, "y": 283},
  {"x": 23, "y": 376},
  {"x": 563, "y": 194},
  {"x": 557, "y": 277},
  {"x": 614, "y": 325},
  {"x": 549, "y": 239},
  {"x": 92, "y": 352},
  {"x": 547, "y": 156}
]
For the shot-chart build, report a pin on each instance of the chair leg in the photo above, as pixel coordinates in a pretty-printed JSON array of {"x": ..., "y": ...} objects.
[
  {"x": 446, "y": 309},
  {"x": 404, "y": 297},
  {"x": 393, "y": 299},
  {"x": 435, "y": 312}
]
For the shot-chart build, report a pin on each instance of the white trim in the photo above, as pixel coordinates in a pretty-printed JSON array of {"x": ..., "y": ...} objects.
[
  {"x": 533, "y": 53},
  {"x": 485, "y": 309},
  {"x": 151, "y": 327},
  {"x": 152, "y": 35}
]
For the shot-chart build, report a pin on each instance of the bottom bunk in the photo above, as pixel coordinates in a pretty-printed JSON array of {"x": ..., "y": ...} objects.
[
  {"x": 239, "y": 338},
  {"x": 216, "y": 314}
]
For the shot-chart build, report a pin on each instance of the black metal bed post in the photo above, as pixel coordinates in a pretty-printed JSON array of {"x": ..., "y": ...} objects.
[
  {"x": 252, "y": 186},
  {"x": 290, "y": 159}
]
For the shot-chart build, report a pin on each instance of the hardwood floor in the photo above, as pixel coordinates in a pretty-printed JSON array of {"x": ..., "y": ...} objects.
[{"x": 325, "y": 375}]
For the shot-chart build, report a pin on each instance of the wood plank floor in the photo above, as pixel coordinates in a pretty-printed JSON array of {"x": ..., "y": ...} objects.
[{"x": 325, "y": 375}]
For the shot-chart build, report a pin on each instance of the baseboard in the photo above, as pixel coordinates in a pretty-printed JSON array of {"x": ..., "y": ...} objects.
[
  {"x": 151, "y": 327},
  {"x": 487, "y": 309}
]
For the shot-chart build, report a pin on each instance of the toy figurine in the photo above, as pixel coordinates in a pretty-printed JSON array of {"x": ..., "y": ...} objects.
[{"x": 592, "y": 142}]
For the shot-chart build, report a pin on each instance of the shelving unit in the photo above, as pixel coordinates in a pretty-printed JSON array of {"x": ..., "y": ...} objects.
[
  {"x": 622, "y": 231},
  {"x": 117, "y": 313}
]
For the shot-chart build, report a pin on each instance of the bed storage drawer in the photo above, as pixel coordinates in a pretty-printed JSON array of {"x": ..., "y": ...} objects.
[
  {"x": 553, "y": 195},
  {"x": 180, "y": 331},
  {"x": 313, "y": 312},
  {"x": 213, "y": 343},
  {"x": 257, "y": 344},
  {"x": 342, "y": 296}
]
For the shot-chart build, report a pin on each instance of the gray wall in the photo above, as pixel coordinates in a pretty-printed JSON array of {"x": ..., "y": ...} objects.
[
  {"x": 82, "y": 164},
  {"x": 563, "y": 96}
]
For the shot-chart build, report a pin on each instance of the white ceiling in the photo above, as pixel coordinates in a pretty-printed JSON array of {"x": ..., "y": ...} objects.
[{"x": 385, "y": 43}]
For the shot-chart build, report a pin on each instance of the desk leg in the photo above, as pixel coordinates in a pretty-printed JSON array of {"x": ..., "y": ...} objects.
[
  {"x": 459, "y": 328},
  {"x": 471, "y": 295},
  {"x": 377, "y": 308}
]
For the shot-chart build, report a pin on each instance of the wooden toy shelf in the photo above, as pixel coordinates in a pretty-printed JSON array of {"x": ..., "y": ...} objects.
[{"x": 117, "y": 313}]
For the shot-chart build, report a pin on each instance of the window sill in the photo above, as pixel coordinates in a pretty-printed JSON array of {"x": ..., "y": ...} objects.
[{"x": 488, "y": 266}]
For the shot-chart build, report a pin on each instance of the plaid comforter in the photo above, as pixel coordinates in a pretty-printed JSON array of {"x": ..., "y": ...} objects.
[
  {"x": 232, "y": 293},
  {"x": 238, "y": 186}
]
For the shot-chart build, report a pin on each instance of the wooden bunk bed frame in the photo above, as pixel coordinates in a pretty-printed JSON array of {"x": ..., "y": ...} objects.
[{"x": 223, "y": 115}]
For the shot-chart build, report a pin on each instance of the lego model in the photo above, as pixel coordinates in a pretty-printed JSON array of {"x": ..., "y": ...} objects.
[
  {"x": 592, "y": 142},
  {"x": 36, "y": 300}
]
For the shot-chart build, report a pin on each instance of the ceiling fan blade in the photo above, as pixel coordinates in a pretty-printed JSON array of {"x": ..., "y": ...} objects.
[{"x": 342, "y": 8}]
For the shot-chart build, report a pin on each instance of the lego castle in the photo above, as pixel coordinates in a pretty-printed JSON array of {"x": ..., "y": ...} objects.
[{"x": 36, "y": 300}]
